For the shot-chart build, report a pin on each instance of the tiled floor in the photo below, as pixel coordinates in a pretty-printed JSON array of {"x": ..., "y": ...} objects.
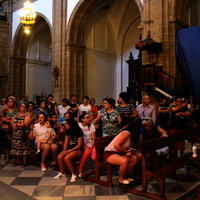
[{"x": 31, "y": 183}]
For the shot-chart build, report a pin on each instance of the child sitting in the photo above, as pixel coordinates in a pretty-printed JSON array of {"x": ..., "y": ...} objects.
[{"x": 48, "y": 137}]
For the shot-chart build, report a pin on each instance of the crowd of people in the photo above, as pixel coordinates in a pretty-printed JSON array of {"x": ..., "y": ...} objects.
[{"x": 67, "y": 130}]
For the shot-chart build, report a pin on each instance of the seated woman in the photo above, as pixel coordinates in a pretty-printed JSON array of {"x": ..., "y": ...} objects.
[
  {"x": 89, "y": 133},
  {"x": 150, "y": 131},
  {"x": 62, "y": 129},
  {"x": 32, "y": 112},
  {"x": 38, "y": 131},
  {"x": 41, "y": 108},
  {"x": 120, "y": 151},
  {"x": 94, "y": 108},
  {"x": 85, "y": 106},
  {"x": 73, "y": 147},
  {"x": 50, "y": 133}
]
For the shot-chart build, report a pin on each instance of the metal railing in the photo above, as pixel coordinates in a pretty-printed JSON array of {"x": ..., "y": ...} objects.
[
  {"x": 151, "y": 75},
  {"x": 171, "y": 85}
]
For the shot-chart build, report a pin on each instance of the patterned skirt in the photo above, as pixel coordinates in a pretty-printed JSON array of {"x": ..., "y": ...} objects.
[{"x": 20, "y": 145}]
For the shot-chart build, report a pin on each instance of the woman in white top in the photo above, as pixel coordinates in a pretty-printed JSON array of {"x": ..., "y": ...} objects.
[
  {"x": 85, "y": 106},
  {"x": 38, "y": 131},
  {"x": 63, "y": 108},
  {"x": 120, "y": 152},
  {"x": 89, "y": 133}
]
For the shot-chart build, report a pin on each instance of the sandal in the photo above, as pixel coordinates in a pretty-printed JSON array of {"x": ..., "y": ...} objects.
[
  {"x": 23, "y": 165},
  {"x": 130, "y": 179},
  {"x": 126, "y": 182},
  {"x": 15, "y": 164},
  {"x": 53, "y": 164}
]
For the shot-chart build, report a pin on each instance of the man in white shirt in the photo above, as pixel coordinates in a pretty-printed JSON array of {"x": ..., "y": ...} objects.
[
  {"x": 63, "y": 108},
  {"x": 146, "y": 109}
]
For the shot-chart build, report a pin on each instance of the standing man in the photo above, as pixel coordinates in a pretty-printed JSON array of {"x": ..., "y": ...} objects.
[
  {"x": 146, "y": 109},
  {"x": 178, "y": 122},
  {"x": 25, "y": 99}
]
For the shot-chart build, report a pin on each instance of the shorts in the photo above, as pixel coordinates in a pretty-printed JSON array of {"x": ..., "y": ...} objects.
[{"x": 107, "y": 154}]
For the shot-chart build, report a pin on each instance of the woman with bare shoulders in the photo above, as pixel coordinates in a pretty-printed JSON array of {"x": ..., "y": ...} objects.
[
  {"x": 72, "y": 149},
  {"x": 20, "y": 147},
  {"x": 120, "y": 151}
]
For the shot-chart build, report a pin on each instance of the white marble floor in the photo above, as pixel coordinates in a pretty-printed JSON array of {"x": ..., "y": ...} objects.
[{"x": 31, "y": 183}]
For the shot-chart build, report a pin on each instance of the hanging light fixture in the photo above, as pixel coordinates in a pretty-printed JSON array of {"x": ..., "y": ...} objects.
[{"x": 27, "y": 17}]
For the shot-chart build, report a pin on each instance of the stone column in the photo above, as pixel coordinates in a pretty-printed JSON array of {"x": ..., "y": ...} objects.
[
  {"x": 18, "y": 79},
  {"x": 163, "y": 18},
  {"x": 75, "y": 64},
  {"x": 4, "y": 57},
  {"x": 58, "y": 50}
]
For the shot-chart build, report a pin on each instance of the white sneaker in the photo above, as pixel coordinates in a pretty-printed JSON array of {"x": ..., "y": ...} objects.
[
  {"x": 38, "y": 151},
  {"x": 80, "y": 175},
  {"x": 73, "y": 178},
  {"x": 60, "y": 175},
  {"x": 43, "y": 167}
]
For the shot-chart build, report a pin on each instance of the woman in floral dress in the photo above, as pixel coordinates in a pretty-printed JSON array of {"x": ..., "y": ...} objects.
[
  {"x": 6, "y": 128},
  {"x": 110, "y": 118},
  {"x": 21, "y": 129}
]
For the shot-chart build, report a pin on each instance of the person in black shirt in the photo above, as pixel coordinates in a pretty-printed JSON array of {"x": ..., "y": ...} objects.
[
  {"x": 72, "y": 149},
  {"x": 51, "y": 106},
  {"x": 179, "y": 119},
  {"x": 163, "y": 114},
  {"x": 74, "y": 104}
]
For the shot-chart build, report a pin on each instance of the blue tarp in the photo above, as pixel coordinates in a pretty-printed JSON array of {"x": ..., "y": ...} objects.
[{"x": 188, "y": 53}]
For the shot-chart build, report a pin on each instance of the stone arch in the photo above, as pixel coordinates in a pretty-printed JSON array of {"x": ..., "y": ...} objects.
[
  {"x": 140, "y": 7},
  {"x": 75, "y": 40},
  {"x": 19, "y": 54},
  {"x": 179, "y": 10},
  {"x": 21, "y": 39},
  {"x": 82, "y": 13}
]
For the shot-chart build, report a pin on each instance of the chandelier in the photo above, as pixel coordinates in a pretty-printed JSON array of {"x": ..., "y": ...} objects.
[{"x": 27, "y": 17}]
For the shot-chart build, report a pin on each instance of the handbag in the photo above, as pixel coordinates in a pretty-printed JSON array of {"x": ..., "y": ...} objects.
[{"x": 8, "y": 131}]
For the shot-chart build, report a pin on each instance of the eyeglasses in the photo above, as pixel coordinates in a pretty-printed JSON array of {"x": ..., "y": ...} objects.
[
  {"x": 87, "y": 117},
  {"x": 23, "y": 106}
]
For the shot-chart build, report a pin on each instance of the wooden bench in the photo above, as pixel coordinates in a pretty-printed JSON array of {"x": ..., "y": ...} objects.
[
  {"x": 193, "y": 194},
  {"x": 167, "y": 170},
  {"x": 100, "y": 165}
]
